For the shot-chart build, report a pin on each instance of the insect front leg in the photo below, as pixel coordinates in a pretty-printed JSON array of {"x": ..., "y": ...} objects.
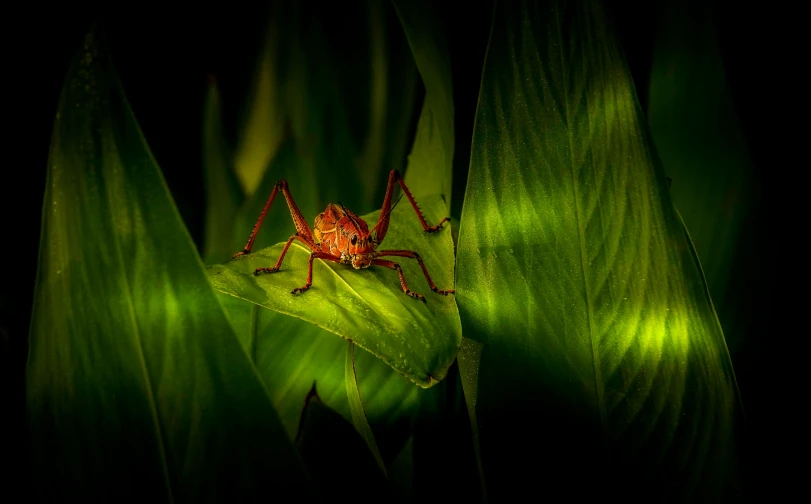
[
  {"x": 303, "y": 229},
  {"x": 414, "y": 255},
  {"x": 281, "y": 257},
  {"x": 314, "y": 255},
  {"x": 393, "y": 265},
  {"x": 382, "y": 225}
]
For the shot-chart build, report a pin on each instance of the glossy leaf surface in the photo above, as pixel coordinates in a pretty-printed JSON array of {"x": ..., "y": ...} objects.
[{"x": 367, "y": 306}]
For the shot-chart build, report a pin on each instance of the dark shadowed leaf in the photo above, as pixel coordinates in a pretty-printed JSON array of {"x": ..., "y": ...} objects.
[
  {"x": 444, "y": 460},
  {"x": 603, "y": 359},
  {"x": 337, "y": 457},
  {"x": 356, "y": 405},
  {"x": 368, "y": 306},
  {"x": 290, "y": 353},
  {"x": 223, "y": 193},
  {"x": 430, "y": 164},
  {"x": 137, "y": 386},
  {"x": 700, "y": 144}
]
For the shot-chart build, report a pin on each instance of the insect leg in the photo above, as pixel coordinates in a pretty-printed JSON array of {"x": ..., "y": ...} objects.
[
  {"x": 301, "y": 224},
  {"x": 281, "y": 257},
  {"x": 393, "y": 265},
  {"x": 383, "y": 224},
  {"x": 314, "y": 255},
  {"x": 414, "y": 255}
]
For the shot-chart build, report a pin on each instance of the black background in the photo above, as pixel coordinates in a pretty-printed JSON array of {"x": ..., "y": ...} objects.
[{"x": 164, "y": 57}]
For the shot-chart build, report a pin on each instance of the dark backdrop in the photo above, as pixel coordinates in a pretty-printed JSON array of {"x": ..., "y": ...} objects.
[{"x": 163, "y": 59}]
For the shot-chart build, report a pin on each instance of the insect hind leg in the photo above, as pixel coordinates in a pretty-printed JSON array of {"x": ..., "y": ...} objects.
[
  {"x": 382, "y": 225},
  {"x": 393, "y": 265},
  {"x": 302, "y": 228},
  {"x": 413, "y": 255}
]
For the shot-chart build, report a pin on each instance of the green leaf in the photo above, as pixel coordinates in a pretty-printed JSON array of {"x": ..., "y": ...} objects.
[
  {"x": 701, "y": 146},
  {"x": 262, "y": 130},
  {"x": 315, "y": 155},
  {"x": 290, "y": 354},
  {"x": 137, "y": 386},
  {"x": 368, "y": 306},
  {"x": 430, "y": 165},
  {"x": 335, "y": 454},
  {"x": 469, "y": 360},
  {"x": 603, "y": 359},
  {"x": 371, "y": 155},
  {"x": 356, "y": 405}
]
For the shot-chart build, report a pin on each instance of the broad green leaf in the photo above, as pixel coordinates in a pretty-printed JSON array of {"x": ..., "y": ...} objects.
[
  {"x": 700, "y": 144},
  {"x": 430, "y": 164},
  {"x": 603, "y": 358},
  {"x": 368, "y": 306},
  {"x": 335, "y": 455},
  {"x": 263, "y": 128},
  {"x": 356, "y": 405},
  {"x": 317, "y": 158},
  {"x": 223, "y": 193},
  {"x": 137, "y": 385},
  {"x": 290, "y": 354}
]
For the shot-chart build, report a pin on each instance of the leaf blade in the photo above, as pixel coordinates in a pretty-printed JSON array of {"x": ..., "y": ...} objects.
[
  {"x": 597, "y": 344},
  {"x": 430, "y": 164},
  {"x": 335, "y": 453},
  {"x": 224, "y": 195},
  {"x": 356, "y": 406},
  {"x": 699, "y": 141},
  {"x": 368, "y": 306},
  {"x": 116, "y": 372}
]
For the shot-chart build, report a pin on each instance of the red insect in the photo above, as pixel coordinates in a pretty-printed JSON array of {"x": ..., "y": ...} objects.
[{"x": 343, "y": 237}]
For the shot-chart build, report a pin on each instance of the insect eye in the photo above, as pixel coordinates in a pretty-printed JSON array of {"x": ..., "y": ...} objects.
[{"x": 354, "y": 240}]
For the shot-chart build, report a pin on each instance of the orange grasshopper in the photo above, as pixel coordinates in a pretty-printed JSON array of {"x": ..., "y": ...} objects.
[{"x": 341, "y": 236}]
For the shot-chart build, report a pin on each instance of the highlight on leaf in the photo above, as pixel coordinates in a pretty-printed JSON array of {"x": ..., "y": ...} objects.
[
  {"x": 606, "y": 346},
  {"x": 128, "y": 341}
]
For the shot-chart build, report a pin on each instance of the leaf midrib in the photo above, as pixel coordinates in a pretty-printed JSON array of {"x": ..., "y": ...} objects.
[
  {"x": 595, "y": 357},
  {"x": 145, "y": 369}
]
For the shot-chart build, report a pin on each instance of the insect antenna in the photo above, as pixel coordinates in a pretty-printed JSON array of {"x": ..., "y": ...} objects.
[{"x": 387, "y": 214}]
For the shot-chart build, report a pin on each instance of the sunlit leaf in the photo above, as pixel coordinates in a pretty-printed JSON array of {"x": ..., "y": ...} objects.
[
  {"x": 603, "y": 358},
  {"x": 366, "y": 306},
  {"x": 317, "y": 158},
  {"x": 137, "y": 387},
  {"x": 700, "y": 144}
]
